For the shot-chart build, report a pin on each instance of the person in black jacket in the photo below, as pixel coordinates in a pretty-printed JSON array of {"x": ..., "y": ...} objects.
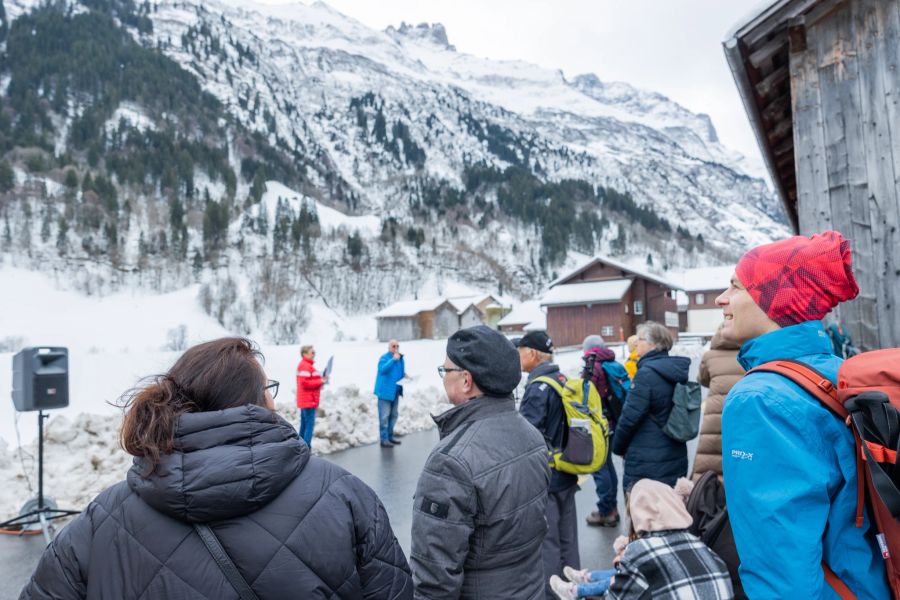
[
  {"x": 542, "y": 407},
  {"x": 209, "y": 449},
  {"x": 650, "y": 453}
]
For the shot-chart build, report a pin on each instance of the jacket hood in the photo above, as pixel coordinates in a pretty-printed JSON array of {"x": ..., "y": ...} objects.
[
  {"x": 655, "y": 506},
  {"x": 671, "y": 368},
  {"x": 602, "y": 354},
  {"x": 477, "y": 408},
  {"x": 547, "y": 369},
  {"x": 794, "y": 341},
  {"x": 719, "y": 342},
  {"x": 226, "y": 464}
]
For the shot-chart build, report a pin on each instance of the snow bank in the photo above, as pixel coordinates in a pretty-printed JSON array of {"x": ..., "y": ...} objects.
[{"x": 82, "y": 456}]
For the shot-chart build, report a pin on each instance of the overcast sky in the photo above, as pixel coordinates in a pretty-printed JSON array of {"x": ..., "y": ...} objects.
[{"x": 669, "y": 46}]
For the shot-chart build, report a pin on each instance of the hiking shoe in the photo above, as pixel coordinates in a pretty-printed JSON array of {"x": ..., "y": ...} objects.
[
  {"x": 396, "y": 442},
  {"x": 577, "y": 575},
  {"x": 386, "y": 444},
  {"x": 599, "y": 519},
  {"x": 564, "y": 590}
]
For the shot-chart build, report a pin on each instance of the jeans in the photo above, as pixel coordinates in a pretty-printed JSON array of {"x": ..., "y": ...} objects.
[
  {"x": 560, "y": 547},
  {"x": 307, "y": 424},
  {"x": 607, "y": 485},
  {"x": 387, "y": 418},
  {"x": 598, "y": 584}
]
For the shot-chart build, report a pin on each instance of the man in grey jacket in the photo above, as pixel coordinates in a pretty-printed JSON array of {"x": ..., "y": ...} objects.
[{"x": 478, "y": 514}]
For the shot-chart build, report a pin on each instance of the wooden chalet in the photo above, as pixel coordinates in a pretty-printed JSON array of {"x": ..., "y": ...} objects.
[
  {"x": 607, "y": 297},
  {"x": 819, "y": 80},
  {"x": 417, "y": 319}
]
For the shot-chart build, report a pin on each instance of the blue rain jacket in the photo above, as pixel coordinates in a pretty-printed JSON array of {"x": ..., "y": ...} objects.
[
  {"x": 790, "y": 478},
  {"x": 390, "y": 372}
]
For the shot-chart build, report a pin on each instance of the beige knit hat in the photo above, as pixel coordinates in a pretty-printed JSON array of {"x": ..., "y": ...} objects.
[{"x": 655, "y": 506}]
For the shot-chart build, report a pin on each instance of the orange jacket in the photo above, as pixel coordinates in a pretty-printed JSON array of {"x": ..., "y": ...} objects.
[{"x": 309, "y": 384}]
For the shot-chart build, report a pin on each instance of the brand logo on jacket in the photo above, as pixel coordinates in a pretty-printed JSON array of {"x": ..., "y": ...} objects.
[{"x": 740, "y": 454}]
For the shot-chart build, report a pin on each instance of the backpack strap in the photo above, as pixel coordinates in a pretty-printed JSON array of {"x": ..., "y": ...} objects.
[
  {"x": 813, "y": 382},
  {"x": 234, "y": 577}
]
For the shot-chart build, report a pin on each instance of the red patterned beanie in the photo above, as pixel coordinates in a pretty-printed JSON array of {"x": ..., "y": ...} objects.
[{"x": 800, "y": 278}]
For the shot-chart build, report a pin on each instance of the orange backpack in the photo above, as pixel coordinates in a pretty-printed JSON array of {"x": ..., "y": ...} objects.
[{"x": 867, "y": 399}]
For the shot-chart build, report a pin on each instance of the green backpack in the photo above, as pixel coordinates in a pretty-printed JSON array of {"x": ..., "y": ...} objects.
[{"x": 585, "y": 445}]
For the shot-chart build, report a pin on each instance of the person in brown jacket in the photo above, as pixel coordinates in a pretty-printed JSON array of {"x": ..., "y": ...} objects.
[{"x": 719, "y": 371}]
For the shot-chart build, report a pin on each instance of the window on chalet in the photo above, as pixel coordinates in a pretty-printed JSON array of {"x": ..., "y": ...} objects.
[
  {"x": 700, "y": 298},
  {"x": 638, "y": 307},
  {"x": 607, "y": 331}
]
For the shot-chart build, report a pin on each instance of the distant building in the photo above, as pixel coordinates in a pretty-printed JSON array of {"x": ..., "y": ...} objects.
[
  {"x": 523, "y": 317},
  {"x": 417, "y": 319},
  {"x": 697, "y": 300},
  {"x": 482, "y": 309},
  {"x": 610, "y": 298}
]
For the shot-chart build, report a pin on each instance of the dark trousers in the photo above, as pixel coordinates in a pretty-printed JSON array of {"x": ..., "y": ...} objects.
[
  {"x": 560, "y": 546},
  {"x": 607, "y": 484}
]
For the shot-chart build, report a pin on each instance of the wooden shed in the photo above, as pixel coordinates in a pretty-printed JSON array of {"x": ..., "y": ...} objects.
[
  {"x": 607, "y": 297},
  {"x": 820, "y": 81},
  {"x": 482, "y": 309},
  {"x": 417, "y": 319}
]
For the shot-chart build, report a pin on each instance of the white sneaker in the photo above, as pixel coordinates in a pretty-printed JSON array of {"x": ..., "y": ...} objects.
[
  {"x": 564, "y": 590},
  {"x": 577, "y": 576}
]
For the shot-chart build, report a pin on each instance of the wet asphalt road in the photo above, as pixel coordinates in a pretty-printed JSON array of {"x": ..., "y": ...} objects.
[{"x": 393, "y": 474}]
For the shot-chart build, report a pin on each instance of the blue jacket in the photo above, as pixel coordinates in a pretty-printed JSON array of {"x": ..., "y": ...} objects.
[
  {"x": 650, "y": 453},
  {"x": 542, "y": 407},
  {"x": 390, "y": 372},
  {"x": 790, "y": 478}
]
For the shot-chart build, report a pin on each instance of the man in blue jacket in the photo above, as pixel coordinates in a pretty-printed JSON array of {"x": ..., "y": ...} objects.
[
  {"x": 789, "y": 463},
  {"x": 388, "y": 390}
]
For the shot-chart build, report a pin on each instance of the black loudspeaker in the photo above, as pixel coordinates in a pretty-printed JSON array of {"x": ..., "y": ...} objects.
[{"x": 40, "y": 378}]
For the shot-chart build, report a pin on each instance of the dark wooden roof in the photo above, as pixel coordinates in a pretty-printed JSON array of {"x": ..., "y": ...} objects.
[{"x": 758, "y": 54}]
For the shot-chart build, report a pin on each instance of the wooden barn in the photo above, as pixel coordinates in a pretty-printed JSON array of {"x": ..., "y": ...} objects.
[
  {"x": 417, "y": 319},
  {"x": 820, "y": 81},
  {"x": 607, "y": 297},
  {"x": 523, "y": 317}
]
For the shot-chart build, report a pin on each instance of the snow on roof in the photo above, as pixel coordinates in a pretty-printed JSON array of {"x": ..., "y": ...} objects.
[
  {"x": 523, "y": 314},
  {"x": 640, "y": 272},
  {"x": 462, "y": 303},
  {"x": 610, "y": 290},
  {"x": 409, "y": 308},
  {"x": 704, "y": 278},
  {"x": 682, "y": 300},
  {"x": 539, "y": 324}
]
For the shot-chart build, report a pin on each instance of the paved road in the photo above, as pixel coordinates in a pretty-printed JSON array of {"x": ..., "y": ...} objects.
[{"x": 392, "y": 473}]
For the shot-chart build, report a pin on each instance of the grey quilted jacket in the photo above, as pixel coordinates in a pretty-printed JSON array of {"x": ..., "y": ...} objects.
[
  {"x": 295, "y": 526},
  {"x": 478, "y": 515}
]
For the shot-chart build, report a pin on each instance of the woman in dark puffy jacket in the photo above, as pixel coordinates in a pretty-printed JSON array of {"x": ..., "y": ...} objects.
[
  {"x": 209, "y": 449},
  {"x": 650, "y": 453}
]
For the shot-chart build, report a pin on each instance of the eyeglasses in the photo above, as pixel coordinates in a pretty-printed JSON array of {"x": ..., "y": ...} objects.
[
  {"x": 271, "y": 384},
  {"x": 444, "y": 370}
]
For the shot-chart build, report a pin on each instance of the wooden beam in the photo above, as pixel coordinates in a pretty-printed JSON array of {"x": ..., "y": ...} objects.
[
  {"x": 772, "y": 80},
  {"x": 765, "y": 52}
]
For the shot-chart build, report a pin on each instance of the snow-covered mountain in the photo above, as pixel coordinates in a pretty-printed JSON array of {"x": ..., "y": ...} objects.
[{"x": 430, "y": 161}]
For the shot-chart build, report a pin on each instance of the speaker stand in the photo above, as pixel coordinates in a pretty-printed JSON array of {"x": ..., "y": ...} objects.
[{"x": 40, "y": 510}]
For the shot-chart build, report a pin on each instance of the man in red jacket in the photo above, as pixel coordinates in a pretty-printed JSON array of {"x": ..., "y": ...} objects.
[{"x": 309, "y": 386}]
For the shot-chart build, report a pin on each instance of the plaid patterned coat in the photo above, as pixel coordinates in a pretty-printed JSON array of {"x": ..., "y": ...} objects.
[{"x": 670, "y": 565}]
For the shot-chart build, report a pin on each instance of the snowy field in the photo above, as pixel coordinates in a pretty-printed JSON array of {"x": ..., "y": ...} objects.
[{"x": 116, "y": 341}]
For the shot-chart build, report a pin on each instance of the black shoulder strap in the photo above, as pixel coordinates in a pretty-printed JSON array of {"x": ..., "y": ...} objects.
[{"x": 224, "y": 561}]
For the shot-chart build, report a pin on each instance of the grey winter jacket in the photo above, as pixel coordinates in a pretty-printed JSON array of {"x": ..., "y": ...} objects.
[
  {"x": 478, "y": 514},
  {"x": 295, "y": 526}
]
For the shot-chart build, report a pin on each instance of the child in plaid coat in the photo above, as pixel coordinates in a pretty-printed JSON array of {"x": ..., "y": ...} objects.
[{"x": 660, "y": 559}]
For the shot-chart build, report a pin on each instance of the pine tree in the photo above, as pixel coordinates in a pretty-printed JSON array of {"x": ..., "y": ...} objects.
[
  {"x": 62, "y": 243},
  {"x": 7, "y": 177}
]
